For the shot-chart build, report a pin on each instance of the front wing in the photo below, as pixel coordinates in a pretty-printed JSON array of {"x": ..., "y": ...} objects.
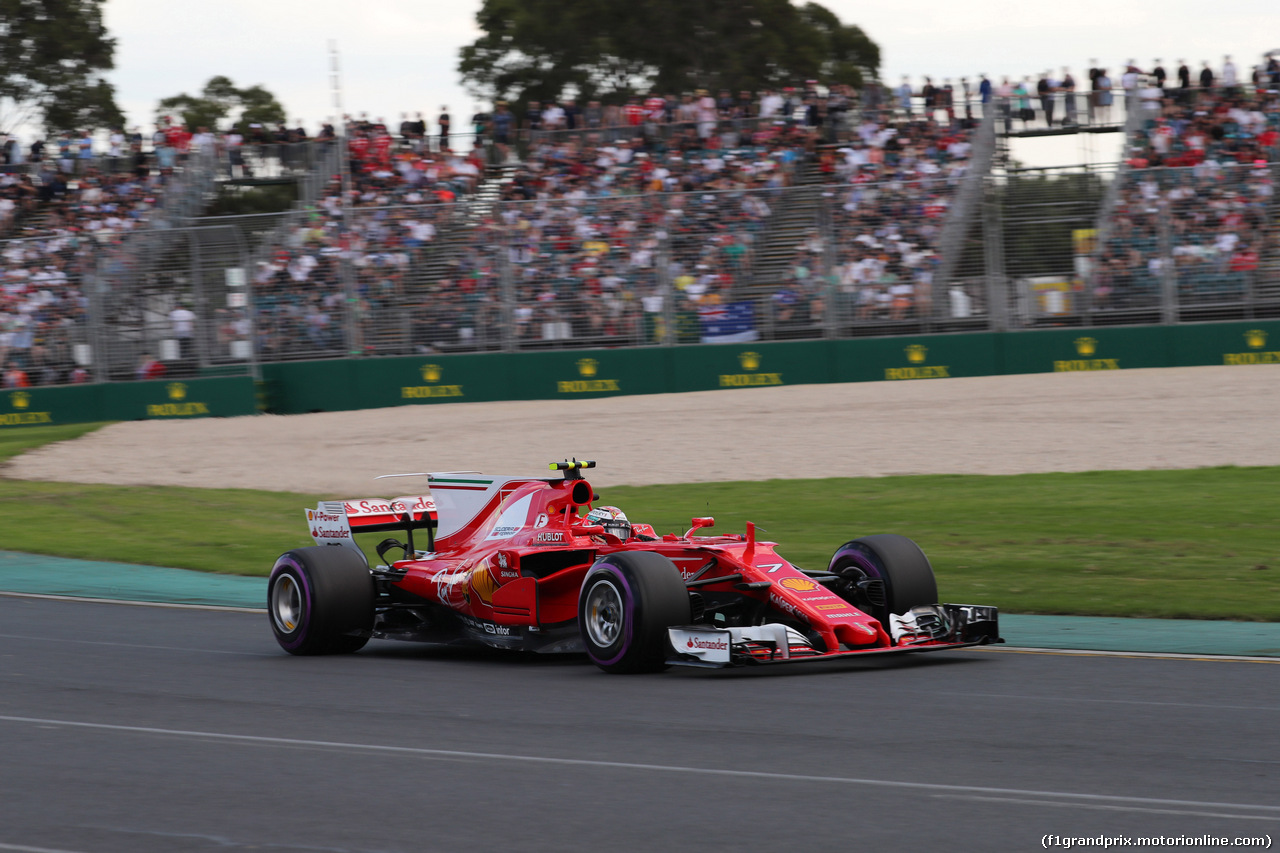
[{"x": 923, "y": 629}]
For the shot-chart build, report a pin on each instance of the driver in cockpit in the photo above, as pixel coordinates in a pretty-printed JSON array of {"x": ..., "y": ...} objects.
[{"x": 614, "y": 521}]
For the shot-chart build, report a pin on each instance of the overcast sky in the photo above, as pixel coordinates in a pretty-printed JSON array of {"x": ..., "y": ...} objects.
[{"x": 402, "y": 55}]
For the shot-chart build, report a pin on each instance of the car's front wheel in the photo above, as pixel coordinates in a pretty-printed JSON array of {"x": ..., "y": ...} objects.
[
  {"x": 626, "y": 604},
  {"x": 320, "y": 601},
  {"x": 887, "y": 574}
]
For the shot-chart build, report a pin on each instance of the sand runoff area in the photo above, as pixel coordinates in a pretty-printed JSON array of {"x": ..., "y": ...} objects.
[{"x": 1125, "y": 419}]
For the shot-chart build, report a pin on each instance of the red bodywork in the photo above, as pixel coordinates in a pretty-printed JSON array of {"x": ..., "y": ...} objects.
[{"x": 510, "y": 556}]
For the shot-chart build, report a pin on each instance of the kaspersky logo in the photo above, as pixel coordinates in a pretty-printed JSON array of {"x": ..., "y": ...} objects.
[
  {"x": 916, "y": 355},
  {"x": 1085, "y": 347},
  {"x": 750, "y": 362},
  {"x": 1255, "y": 339},
  {"x": 588, "y": 384},
  {"x": 431, "y": 374}
]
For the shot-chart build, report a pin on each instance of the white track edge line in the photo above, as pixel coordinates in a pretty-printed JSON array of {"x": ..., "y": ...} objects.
[
  {"x": 1114, "y": 653},
  {"x": 1044, "y": 650},
  {"x": 176, "y": 605}
]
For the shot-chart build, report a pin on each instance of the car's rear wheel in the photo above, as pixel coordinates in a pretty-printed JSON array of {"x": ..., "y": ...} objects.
[
  {"x": 320, "y": 601},
  {"x": 626, "y": 604},
  {"x": 887, "y": 574}
]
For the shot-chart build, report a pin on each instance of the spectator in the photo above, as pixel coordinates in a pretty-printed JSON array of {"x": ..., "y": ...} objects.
[
  {"x": 1104, "y": 96},
  {"x": 444, "y": 123},
  {"x": 1229, "y": 77},
  {"x": 183, "y": 322},
  {"x": 149, "y": 368},
  {"x": 1068, "y": 87}
]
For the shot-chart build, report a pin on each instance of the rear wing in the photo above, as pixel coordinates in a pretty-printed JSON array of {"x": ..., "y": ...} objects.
[{"x": 335, "y": 522}]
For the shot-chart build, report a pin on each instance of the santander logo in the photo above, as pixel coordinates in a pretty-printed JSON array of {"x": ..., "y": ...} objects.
[{"x": 713, "y": 645}]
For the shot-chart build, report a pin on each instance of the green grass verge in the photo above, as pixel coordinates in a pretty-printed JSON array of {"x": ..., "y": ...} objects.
[
  {"x": 1189, "y": 544},
  {"x": 1199, "y": 543},
  {"x": 15, "y": 441}
]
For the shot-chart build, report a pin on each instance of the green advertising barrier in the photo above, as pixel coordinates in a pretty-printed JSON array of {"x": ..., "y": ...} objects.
[
  {"x": 576, "y": 374},
  {"x": 223, "y": 397},
  {"x": 1091, "y": 349},
  {"x": 297, "y": 387},
  {"x": 917, "y": 357},
  {"x": 128, "y": 401},
  {"x": 42, "y": 406},
  {"x": 1255, "y": 342},
  {"x": 708, "y": 367},
  {"x": 433, "y": 379}
]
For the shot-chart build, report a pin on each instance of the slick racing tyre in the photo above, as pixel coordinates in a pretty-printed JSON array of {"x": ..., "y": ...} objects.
[
  {"x": 626, "y": 604},
  {"x": 320, "y": 601},
  {"x": 901, "y": 568}
]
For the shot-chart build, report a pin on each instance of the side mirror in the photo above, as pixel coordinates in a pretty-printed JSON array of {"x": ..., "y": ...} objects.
[{"x": 698, "y": 524}]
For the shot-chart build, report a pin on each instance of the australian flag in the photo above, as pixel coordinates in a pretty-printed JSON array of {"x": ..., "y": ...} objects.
[{"x": 734, "y": 323}]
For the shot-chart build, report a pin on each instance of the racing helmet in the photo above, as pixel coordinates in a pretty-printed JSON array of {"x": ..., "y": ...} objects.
[{"x": 612, "y": 519}]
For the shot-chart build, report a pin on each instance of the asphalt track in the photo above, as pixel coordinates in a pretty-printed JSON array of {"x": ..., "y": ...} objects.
[
  {"x": 132, "y": 728},
  {"x": 33, "y": 574}
]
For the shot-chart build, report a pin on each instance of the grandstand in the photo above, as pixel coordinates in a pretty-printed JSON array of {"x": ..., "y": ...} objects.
[{"x": 803, "y": 224}]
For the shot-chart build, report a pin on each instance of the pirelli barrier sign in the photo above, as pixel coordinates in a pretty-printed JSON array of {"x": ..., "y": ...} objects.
[{"x": 128, "y": 401}]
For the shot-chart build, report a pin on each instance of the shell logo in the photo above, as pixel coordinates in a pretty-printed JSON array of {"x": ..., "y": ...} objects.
[
  {"x": 20, "y": 399},
  {"x": 431, "y": 372},
  {"x": 588, "y": 366},
  {"x": 798, "y": 584},
  {"x": 177, "y": 390},
  {"x": 1086, "y": 346},
  {"x": 484, "y": 584},
  {"x": 1255, "y": 338},
  {"x": 916, "y": 353},
  {"x": 749, "y": 360}
]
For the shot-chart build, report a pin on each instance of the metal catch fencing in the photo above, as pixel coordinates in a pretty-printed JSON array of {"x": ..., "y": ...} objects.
[
  {"x": 127, "y": 306},
  {"x": 479, "y": 273}
]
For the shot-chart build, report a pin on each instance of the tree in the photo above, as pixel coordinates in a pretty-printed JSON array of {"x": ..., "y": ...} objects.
[
  {"x": 544, "y": 49},
  {"x": 53, "y": 54},
  {"x": 218, "y": 100}
]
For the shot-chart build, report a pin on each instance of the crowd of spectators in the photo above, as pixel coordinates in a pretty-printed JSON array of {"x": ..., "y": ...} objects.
[
  {"x": 889, "y": 189},
  {"x": 81, "y": 220},
  {"x": 1196, "y": 202},
  {"x": 1186, "y": 128},
  {"x": 1204, "y": 226},
  {"x": 602, "y": 221},
  {"x": 43, "y": 309},
  {"x": 586, "y": 224},
  {"x": 378, "y": 225}
]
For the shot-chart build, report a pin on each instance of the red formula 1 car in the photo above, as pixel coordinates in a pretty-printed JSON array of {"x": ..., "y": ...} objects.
[{"x": 513, "y": 562}]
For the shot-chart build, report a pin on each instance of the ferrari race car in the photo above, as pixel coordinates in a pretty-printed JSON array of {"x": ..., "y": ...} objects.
[{"x": 514, "y": 563}]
